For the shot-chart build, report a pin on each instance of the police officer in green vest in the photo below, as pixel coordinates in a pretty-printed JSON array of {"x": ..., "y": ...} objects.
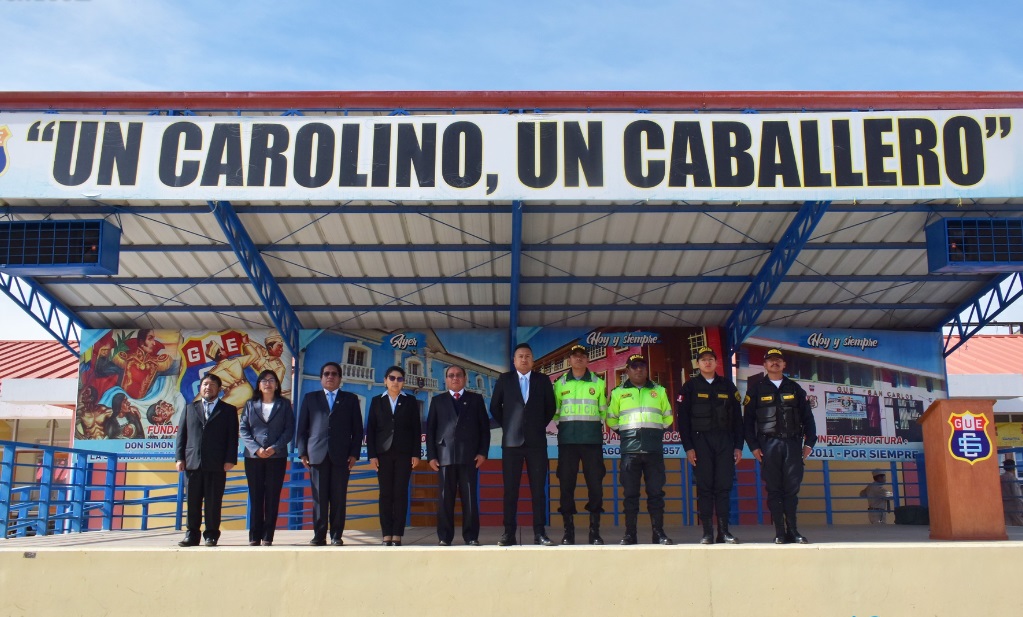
[
  {"x": 640, "y": 412},
  {"x": 581, "y": 401},
  {"x": 781, "y": 433},
  {"x": 710, "y": 424}
]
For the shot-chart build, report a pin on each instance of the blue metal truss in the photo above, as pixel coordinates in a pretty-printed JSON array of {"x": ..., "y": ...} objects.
[
  {"x": 48, "y": 312},
  {"x": 276, "y": 304},
  {"x": 697, "y": 279},
  {"x": 516, "y": 273},
  {"x": 528, "y": 248},
  {"x": 970, "y": 316},
  {"x": 740, "y": 323},
  {"x": 522, "y": 308}
]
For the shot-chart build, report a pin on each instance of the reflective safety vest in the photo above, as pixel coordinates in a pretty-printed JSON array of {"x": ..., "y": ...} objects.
[
  {"x": 640, "y": 416},
  {"x": 581, "y": 407}
]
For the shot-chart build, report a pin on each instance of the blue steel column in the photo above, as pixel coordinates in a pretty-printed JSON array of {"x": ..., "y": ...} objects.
[
  {"x": 740, "y": 323},
  {"x": 980, "y": 310},
  {"x": 277, "y": 305},
  {"x": 48, "y": 312},
  {"x": 516, "y": 275}
]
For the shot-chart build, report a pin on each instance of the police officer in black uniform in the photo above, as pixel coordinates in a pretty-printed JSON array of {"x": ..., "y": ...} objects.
[
  {"x": 710, "y": 424},
  {"x": 781, "y": 433}
]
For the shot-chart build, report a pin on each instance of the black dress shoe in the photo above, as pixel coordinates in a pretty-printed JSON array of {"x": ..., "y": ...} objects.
[
  {"x": 395, "y": 542},
  {"x": 707, "y": 539},
  {"x": 796, "y": 537},
  {"x": 473, "y": 543},
  {"x": 317, "y": 542},
  {"x": 387, "y": 543},
  {"x": 542, "y": 539},
  {"x": 186, "y": 543},
  {"x": 628, "y": 539},
  {"x": 443, "y": 543},
  {"x": 507, "y": 539},
  {"x": 211, "y": 542},
  {"x": 659, "y": 537},
  {"x": 268, "y": 542},
  {"x": 337, "y": 542},
  {"x": 253, "y": 542},
  {"x": 781, "y": 539},
  {"x": 727, "y": 538}
]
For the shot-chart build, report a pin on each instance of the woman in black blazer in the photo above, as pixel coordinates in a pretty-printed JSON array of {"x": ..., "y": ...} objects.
[
  {"x": 393, "y": 442},
  {"x": 267, "y": 425}
]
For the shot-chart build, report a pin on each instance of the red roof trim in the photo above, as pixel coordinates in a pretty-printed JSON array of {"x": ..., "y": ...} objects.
[{"x": 546, "y": 100}]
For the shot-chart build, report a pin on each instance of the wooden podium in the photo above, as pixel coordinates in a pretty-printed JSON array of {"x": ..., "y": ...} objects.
[{"x": 963, "y": 491}]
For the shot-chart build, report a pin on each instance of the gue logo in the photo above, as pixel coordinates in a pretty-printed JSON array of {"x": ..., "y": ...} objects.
[
  {"x": 970, "y": 440},
  {"x": 5, "y": 134}
]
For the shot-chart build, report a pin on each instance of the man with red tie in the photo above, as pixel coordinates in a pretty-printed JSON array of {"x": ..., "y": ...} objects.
[{"x": 457, "y": 442}]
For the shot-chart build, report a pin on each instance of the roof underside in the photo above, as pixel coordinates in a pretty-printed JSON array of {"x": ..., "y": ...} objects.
[
  {"x": 394, "y": 265},
  {"x": 434, "y": 266}
]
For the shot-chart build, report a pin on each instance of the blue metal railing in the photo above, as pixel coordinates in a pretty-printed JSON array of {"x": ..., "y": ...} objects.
[{"x": 47, "y": 489}]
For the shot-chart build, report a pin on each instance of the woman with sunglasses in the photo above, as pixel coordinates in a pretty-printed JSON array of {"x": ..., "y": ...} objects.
[
  {"x": 393, "y": 437},
  {"x": 267, "y": 425}
]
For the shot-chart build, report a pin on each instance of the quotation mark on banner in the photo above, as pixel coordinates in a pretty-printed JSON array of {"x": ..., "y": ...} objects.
[
  {"x": 33, "y": 132},
  {"x": 992, "y": 123}
]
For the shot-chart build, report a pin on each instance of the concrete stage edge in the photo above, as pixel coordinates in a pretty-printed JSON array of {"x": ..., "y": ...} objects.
[{"x": 849, "y": 571}]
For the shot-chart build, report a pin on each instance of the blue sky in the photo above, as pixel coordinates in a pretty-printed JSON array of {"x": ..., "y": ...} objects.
[{"x": 112, "y": 45}]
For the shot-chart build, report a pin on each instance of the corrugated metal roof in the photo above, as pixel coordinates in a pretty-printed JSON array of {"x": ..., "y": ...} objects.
[
  {"x": 36, "y": 360},
  {"x": 984, "y": 354},
  {"x": 419, "y": 268}
]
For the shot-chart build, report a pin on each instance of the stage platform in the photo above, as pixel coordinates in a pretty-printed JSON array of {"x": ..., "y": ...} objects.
[{"x": 860, "y": 571}]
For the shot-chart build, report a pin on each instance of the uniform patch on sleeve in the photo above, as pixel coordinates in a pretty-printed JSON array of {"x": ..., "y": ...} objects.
[
  {"x": 679, "y": 399},
  {"x": 738, "y": 397},
  {"x": 745, "y": 401}
]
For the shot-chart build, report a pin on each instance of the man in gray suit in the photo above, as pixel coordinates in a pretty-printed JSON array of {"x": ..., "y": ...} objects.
[
  {"x": 329, "y": 441},
  {"x": 205, "y": 450},
  {"x": 457, "y": 442}
]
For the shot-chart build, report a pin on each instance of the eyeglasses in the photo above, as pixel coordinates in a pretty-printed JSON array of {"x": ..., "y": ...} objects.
[
  {"x": 269, "y": 380},
  {"x": 330, "y": 374},
  {"x": 397, "y": 378}
]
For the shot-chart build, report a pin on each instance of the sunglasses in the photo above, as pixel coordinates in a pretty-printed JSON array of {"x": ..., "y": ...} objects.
[
  {"x": 330, "y": 374},
  {"x": 397, "y": 378}
]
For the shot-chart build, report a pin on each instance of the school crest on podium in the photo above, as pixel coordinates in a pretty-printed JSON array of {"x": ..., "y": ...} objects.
[{"x": 970, "y": 440}]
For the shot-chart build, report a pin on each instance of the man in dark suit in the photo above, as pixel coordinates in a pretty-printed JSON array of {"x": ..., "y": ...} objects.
[
  {"x": 206, "y": 449},
  {"x": 457, "y": 442},
  {"x": 523, "y": 405},
  {"x": 329, "y": 441}
]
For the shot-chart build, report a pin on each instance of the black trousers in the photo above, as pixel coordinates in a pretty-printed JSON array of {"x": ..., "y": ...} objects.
[
  {"x": 648, "y": 466},
  {"x": 463, "y": 479},
  {"x": 204, "y": 490},
  {"x": 535, "y": 460},
  {"x": 393, "y": 478},
  {"x": 715, "y": 471},
  {"x": 329, "y": 482},
  {"x": 592, "y": 458},
  {"x": 782, "y": 470},
  {"x": 265, "y": 477}
]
